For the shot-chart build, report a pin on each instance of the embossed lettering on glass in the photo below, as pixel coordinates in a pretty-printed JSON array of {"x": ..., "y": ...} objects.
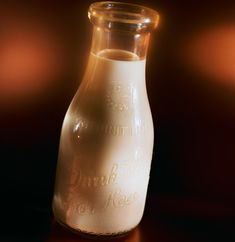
[{"x": 107, "y": 135}]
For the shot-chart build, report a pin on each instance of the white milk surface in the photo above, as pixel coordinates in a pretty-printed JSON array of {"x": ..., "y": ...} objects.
[{"x": 106, "y": 147}]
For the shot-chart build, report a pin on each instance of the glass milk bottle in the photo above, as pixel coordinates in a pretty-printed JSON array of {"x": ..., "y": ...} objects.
[{"x": 107, "y": 135}]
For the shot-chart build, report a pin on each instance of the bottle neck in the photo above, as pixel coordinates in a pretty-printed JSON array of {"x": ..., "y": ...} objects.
[{"x": 129, "y": 42}]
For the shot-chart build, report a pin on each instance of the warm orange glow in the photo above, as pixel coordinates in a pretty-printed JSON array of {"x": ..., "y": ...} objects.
[
  {"x": 30, "y": 59},
  {"x": 212, "y": 52}
]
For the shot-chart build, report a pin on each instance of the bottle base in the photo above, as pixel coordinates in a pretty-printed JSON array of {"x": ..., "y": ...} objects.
[{"x": 94, "y": 236}]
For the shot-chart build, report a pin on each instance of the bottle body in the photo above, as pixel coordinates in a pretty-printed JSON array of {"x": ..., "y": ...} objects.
[{"x": 105, "y": 147}]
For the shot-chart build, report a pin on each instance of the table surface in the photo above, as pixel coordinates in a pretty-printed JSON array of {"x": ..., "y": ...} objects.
[
  {"x": 166, "y": 219},
  {"x": 171, "y": 219}
]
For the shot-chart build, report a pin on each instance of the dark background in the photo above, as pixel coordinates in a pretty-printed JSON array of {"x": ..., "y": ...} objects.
[{"x": 190, "y": 72}]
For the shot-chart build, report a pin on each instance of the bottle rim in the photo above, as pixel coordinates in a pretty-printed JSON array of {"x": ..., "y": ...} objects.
[{"x": 123, "y": 16}]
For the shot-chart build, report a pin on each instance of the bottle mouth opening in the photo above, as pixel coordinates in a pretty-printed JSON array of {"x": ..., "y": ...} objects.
[{"x": 123, "y": 16}]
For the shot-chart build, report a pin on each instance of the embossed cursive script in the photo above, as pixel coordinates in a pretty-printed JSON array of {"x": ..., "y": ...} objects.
[{"x": 94, "y": 181}]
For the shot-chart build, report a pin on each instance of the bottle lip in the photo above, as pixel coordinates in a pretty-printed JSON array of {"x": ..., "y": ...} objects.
[{"x": 123, "y": 16}]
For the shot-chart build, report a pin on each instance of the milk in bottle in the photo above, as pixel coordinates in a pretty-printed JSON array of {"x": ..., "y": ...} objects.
[{"x": 107, "y": 135}]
